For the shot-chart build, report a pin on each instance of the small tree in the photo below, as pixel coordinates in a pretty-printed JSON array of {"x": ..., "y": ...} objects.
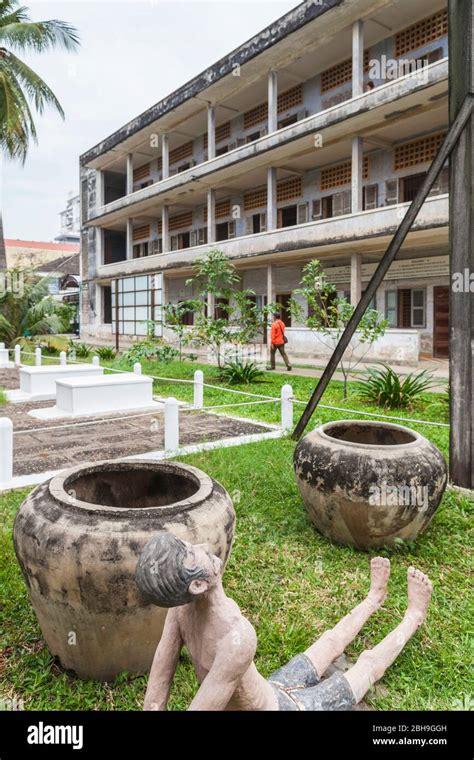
[
  {"x": 328, "y": 316},
  {"x": 174, "y": 314},
  {"x": 240, "y": 321}
]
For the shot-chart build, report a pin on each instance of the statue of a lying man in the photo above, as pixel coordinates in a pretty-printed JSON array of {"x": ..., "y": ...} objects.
[{"x": 221, "y": 641}]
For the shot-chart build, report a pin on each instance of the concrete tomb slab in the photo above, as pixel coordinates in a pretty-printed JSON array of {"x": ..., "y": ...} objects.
[{"x": 39, "y": 383}]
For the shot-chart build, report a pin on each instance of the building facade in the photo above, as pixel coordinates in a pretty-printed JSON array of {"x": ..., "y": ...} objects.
[
  {"x": 70, "y": 221},
  {"x": 309, "y": 141}
]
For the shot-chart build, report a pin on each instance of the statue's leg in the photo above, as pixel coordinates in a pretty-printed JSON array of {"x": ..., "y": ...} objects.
[
  {"x": 373, "y": 663},
  {"x": 332, "y": 643}
]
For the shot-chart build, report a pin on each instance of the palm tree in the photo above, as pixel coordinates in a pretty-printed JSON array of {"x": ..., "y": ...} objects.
[
  {"x": 28, "y": 314},
  {"x": 20, "y": 86},
  {"x": 21, "y": 89}
]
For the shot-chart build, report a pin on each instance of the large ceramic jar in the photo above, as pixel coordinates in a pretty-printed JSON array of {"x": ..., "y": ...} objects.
[
  {"x": 367, "y": 484},
  {"x": 78, "y": 538}
]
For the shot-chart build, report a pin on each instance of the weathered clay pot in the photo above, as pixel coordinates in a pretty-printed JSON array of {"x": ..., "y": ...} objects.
[
  {"x": 78, "y": 538},
  {"x": 367, "y": 483}
]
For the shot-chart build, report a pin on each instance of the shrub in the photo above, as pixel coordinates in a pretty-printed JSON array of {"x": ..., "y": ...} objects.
[
  {"x": 107, "y": 353},
  {"x": 238, "y": 372},
  {"x": 151, "y": 350},
  {"x": 81, "y": 350},
  {"x": 385, "y": 387}
]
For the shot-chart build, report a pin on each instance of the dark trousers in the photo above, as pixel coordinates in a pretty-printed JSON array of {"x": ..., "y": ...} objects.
[{"x": 282, "y": 351}]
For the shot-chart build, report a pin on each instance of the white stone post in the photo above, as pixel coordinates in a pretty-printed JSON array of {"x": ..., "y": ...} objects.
[
  {"x": 272, "y": 101},
  {"x": 165, "y": 229},
  {"x": 356, "y": 176},
  {"x": 198, "y": 389},
  {"x": 287, "y": 407},
  {"x": 38, "y": 357},
  {"x": 96, "y": 361},
  {"x": 6, "y": 450},
  {"x": 171, "y": 424},
  {"x": 129, "y": 239},
  {"x": 211, "y": 132},
  {"x": 17, "y": 355},
  {"x": 357, "y": 58},
  {"x": 2, "y": 346},
  {"x": 270, "y": 285},
  {"x": 62, "y": 358},
  {"x": 272, "y": 215},
  {"x": 137, "y": 368}
]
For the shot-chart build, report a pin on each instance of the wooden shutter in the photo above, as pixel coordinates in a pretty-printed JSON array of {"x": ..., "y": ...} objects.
[
  {"x": 174, "y": 242},
  {"x": 391, "y": 191},
  {"x": 263, "y": 221},
  {"x": 370, "y": 197},
  {"x": 231, "y": 230},
  {"x": 347, "y": 201},
  {"x": 337, "y": 204},
  {"x": 280, "y": 218},
  {"x": 317, "y": 209},
  {"x": 202, "y": 235},
  {"x": 302, "y": 213},
  {"x": 193, "y": 238},
  {"x": 249, "y": 225}
]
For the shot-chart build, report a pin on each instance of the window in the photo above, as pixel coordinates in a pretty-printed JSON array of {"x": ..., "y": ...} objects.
[
  {"x": 340, "y": 73},
  {"x": 139, "y": 299},
  {"x": 406, "y": 307},
  {"x": 251, "y": 138},
  {"x": 421, "y": 33},
  {"x": 184, "y": 151},
  {"x": 421, "y": 151},
  {"x": 288, "y": 217},
  {"x": 180, "y": 241},
  {"x": 288, "y": 189},
  {"x": 289, "y": 120},
  {"x": 140, "y": 250},
  {"x": 141, "y": 173},
  {"x": 326, "y": 207},
  {"x": 341, "y": 174},
  {"x": 411, "y": 185},
  {"x": 255, "y": 199},
  {"x": 255, "y": 115},
  {"x": 222, "y": 150},
  {"x": 418, "y": 308},
  {"x": 220, "y": 310},
  {"x": 290, "y": 98},
  {"x": 225, "y": 230},
  {"x": 106, "y": 305},
  {"x": 187, "y": 316}
]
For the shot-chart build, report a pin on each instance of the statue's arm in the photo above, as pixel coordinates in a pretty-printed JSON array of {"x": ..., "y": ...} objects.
[
  {"x": 164, "y": 665},
  {"x": 234, "y": 657}
]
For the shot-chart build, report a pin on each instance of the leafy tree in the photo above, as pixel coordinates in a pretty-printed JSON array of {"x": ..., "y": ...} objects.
[
  {"x": 328, "y": 316},
  {"x": 29, "y": 315},
  {"x": 174, "y": 314},
  {"x": 239, "y": 320}
]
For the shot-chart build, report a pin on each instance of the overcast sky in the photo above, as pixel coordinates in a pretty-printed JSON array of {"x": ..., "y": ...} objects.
[{"x": 133, "y": 53}]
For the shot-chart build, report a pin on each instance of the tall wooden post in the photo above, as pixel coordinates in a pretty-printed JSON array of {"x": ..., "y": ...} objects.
[{"x": 461, "y": 305}]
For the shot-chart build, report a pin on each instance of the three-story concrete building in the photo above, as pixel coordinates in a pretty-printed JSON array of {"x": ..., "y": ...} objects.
[{"x": 308, "y": 141}]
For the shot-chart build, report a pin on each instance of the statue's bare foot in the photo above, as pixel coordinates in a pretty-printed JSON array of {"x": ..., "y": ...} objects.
[
  {"x": 379, "y": 575},
  {"x": 420, "y": 589}
]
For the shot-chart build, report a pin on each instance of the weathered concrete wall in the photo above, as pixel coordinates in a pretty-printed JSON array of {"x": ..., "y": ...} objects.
[{"x": 396, "y": 346}]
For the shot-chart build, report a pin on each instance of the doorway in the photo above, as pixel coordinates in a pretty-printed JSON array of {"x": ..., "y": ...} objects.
[{"x": 441, "y": 322}]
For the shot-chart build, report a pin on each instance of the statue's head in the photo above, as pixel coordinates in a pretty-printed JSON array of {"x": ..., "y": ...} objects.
[{"x": 172, "y": 572}]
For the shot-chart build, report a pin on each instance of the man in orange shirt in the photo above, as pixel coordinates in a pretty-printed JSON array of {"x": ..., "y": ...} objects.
[{"x": 277, "y": 341}]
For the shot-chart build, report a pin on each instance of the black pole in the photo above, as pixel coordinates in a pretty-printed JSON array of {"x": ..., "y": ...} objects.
[{"x": 396, "y": 243}]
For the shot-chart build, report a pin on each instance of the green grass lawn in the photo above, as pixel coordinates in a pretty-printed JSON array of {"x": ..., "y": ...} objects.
[{"x": 289, "y": 581}]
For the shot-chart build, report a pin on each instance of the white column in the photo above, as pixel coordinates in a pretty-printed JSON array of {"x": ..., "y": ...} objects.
[
  {"x": 356, "y": 278},
  {"x": 17, "y": 355},
  {"x": 356, "y": 181},
  {"x": 164, "y": 290},
  {"x": 272, "y": 101},
  {"x": 37, "y": 357},
  {"x": 198, "y": 389},
  {"x": 165, "y": 155},
  {"x": 211, "y": 132},
  {"x": 357, "y": 58},
  {"x": 287, "y": 407},
  {"x": 129, "y": 173},
  {"x": 271, "y": 284},
  {"x": 165, "y": 229},
  {"x": 96, "y": 361},
  {"x": 171, "y": 424},
  {"x": 129, "y": 238},
  {"x": 6, "y": 450},
  {"x": 271, "y": 198},
  {"x": 211, "y": 216},
  {"x": 99, "y": 187}
]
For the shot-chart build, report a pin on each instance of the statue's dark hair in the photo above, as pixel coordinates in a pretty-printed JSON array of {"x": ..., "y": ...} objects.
[{"x": 161, "y": 575}]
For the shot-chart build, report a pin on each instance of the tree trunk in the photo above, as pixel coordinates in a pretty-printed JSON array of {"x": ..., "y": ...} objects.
[{"x": 3, "y": 254}]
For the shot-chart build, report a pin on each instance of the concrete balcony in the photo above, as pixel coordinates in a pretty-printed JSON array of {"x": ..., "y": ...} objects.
[
  {"x": 393, "y": 102},
  {"x": 364, "y": 232}
]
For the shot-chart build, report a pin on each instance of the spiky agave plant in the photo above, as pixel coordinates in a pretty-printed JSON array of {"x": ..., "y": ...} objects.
[{"x": 385, "y": 387}]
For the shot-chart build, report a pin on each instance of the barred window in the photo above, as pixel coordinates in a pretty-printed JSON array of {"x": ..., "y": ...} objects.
[
  {"x": 421, "y": 33},
  {"x": 141, "y": 172},
  {"x": 181, "y": 220},
  {"x": 255, "y": 115},
  {"x": 340, "y": 73},
  {"x": 416, "y": 152},
  {"x": 222, "y": 209},
  {"x": 290, "y": 98},
  {"x": 255, "y": 199},
  {"x": 288, "y": 189},
  {"x": 142, "y": 232},
  {"x": 341, "y": 174},
  {"x": 184, "y": 151},
  {"x": 222, "y": 133}
]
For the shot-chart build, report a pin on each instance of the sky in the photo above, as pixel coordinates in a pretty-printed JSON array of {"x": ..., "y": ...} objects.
[{"x": 133, "y": 53}]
